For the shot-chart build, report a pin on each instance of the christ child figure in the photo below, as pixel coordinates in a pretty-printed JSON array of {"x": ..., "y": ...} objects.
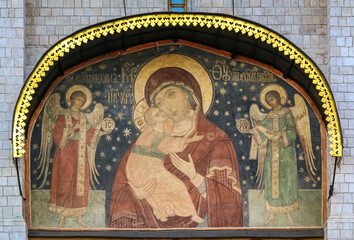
[{"x": 169, "y": 196}]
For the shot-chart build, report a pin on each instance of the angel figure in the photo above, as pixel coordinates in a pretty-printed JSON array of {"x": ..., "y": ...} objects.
[
  {"x": 273, "y": 144},
  {"x": 76, "y": 135}
]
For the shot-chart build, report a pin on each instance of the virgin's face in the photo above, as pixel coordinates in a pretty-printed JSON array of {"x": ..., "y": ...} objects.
[{"x": 174, "y": 102}]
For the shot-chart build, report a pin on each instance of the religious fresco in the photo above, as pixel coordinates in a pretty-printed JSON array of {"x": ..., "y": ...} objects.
[{"x": 175, "y": 136}]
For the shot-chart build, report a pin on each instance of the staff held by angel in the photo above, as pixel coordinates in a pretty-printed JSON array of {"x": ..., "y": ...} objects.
[
  {"x": 76, "y": 135},
  {"x": 273, "y": 144}
]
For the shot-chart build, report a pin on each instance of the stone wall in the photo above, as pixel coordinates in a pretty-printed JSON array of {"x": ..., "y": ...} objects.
[
  {"x": 324, "y": 29},
  {"x": 301, "y": 21},
  {"x": 12, "y": 50},
  {"x": 340, "y": 18},
  {"x": 48, "y": 21}
]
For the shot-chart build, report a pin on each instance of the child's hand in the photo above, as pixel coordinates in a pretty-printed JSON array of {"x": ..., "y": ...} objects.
[{"x": 195, "y": 138}]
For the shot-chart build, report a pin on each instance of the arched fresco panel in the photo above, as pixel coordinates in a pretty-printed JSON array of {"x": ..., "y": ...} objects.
[{"x": 175, "y": 136}]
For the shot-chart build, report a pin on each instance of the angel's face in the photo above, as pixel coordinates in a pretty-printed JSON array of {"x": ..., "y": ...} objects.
[
  {"x": 78, "y": 102},
  {"x": 273, "y": 101}
]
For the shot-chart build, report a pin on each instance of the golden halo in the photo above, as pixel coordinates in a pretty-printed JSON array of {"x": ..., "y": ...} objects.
[
  {"x": 80, "y": 88},
  {"x": 176, "y": 60},
  {"x": 138, "y": 115},
  {"x": 273, "y": 87}
]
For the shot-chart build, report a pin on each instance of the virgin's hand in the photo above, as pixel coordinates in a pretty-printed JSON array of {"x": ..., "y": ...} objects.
[
  {"x": 144, "y": 191},
  {"x": 187, "y": 167}
]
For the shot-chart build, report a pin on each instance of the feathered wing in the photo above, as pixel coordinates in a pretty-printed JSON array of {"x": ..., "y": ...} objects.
[
  {"x": 256, "y": 115},
  {"x": 95, "y": 119},
  {"x": 96, "y": 116},
  {"x": 260, "y": 149},
  {"x": 51, "y": 111},
  {"x": 301, "y": 117}
]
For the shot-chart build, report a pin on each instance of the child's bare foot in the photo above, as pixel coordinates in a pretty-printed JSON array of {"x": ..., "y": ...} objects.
[{"x": 197, "y": 219}]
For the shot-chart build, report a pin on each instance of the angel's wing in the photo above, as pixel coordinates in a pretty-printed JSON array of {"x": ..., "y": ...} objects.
[
  {"x": 302, "y": 121},
  {"x": 95, "y": 119},
  {"x": 96, "y": 116},
  {"x": 51, "y": 111},
  {"x": 256, "y": 115},
  {"x": 260, "y": 150}
]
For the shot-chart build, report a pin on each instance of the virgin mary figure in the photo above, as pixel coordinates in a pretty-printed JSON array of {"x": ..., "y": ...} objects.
[{"x": 208, "y": 168}]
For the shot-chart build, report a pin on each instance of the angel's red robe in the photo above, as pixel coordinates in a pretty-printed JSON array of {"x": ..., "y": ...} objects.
[{"x": 70, "y": 172}]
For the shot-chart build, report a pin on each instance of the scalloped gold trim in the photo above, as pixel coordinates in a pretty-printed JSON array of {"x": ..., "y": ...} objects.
[{"x": 158, "y": 20}]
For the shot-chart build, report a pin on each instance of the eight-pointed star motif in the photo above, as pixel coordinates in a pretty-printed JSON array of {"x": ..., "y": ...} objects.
[
  {"x": 120, "y": 116},
  {"x": 223, "y": 91},
  {"x": 126, "y": 132}
]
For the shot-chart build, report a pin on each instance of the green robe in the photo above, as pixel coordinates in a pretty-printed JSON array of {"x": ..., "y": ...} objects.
[{"x": 280, "y": 164}]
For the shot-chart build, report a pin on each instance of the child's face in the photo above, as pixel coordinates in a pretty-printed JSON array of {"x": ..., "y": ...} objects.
[{"x": 158, "y": 115}]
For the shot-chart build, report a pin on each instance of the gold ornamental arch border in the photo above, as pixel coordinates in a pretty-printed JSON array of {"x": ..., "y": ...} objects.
[{"x": 159, "y": 20}]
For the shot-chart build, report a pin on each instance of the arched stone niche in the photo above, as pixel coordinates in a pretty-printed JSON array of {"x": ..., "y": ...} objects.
[{"x": 254, "y": 131}]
